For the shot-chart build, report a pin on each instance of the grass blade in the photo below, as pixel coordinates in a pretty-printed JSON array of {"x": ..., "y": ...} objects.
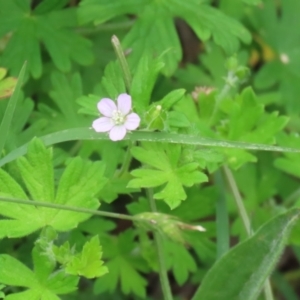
[
  {"x": 75, "y": 134},
  {"x": 10, "y": 109}
]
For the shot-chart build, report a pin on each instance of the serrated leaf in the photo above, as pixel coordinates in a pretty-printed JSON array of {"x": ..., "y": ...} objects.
[
  {"x": 166, "y": 160},
  {"x": 155, "y": 23},
  {"x": 123, "y": 266},
  {"x": 258, "y": 256},
  {"x": 78, "y": 186},
  {"x": 15, "y": 273},
  {"x": 207, "y": 21},
  {"x": 30, "y": 29},
  {"x": 88, "y": 263},
  {"x": 179, "y": 259},
  {"x": 248, "y": 121},
  {"x": 37, "y": 171}
]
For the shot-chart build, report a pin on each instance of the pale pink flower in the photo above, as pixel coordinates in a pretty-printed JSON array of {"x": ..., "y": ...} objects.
[{"x": 117, "y": 119}]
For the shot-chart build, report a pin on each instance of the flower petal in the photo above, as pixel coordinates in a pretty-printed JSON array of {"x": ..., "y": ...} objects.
[
  {"x": 103, "y": 124},
  {"x": 132, "y": 121},
  {"x": 124, "y": 103},
  {"x": 117, "y": 133},
  {"x": 106, "y": 106}
]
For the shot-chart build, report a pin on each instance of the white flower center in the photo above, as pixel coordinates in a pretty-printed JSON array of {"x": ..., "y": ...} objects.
[{"x": 118, "y": 117}]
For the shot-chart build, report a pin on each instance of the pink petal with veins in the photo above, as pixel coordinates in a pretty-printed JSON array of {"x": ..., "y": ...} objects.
[
  {"x": 124, "y": 103},
  {"x": 103, "y": 124},
  {"x": 117, "y": 133},
  {"x": 106, "y": 106},
  {"x": 132, "y": 121}
]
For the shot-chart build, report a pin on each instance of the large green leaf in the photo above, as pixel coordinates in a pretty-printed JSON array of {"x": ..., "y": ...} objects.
[
  {"x": 31, "y": 28},
  {"x": 39, "y": 286},
  {"x": 154, "y": 31},
  {"x": 241, "y": 273},
  {"x": 78, "y": 185}
]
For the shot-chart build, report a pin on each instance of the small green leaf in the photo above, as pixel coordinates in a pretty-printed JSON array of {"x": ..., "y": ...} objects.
[
  {"x": 123, "y": 265},
  {"x": 241, "y": 273},
  {"x": 179, "y": 259},
  {"x": 170, "y": 172},
  {"x": 88, "y": 263},
  {"x": 7, "y": 85}
]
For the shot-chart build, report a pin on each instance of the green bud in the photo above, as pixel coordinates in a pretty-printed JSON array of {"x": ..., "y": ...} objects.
[
  {"x": 242, "y": 72},
  {"x": 168, "y": 225},
  {"x": 156, "y": 117},
  {"x": 232, "y": 63},
  {"x": 48, "y": 233}
]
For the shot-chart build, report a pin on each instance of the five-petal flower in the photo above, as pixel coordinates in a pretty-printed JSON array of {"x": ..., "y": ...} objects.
[{"x": 117, "y": 119}]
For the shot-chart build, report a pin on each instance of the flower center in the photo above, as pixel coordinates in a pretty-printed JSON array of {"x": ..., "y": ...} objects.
[{"x": 118, "y": 117}]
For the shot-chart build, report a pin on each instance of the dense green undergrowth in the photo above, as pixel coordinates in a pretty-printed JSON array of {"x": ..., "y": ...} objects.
[{"x": 149, "y": 149}]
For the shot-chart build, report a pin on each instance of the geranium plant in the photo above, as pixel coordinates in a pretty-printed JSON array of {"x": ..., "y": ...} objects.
[{"x": 149, "y": 149}]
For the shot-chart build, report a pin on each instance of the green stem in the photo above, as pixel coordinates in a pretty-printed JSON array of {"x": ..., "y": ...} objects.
[
  {"x": 231, "y": 80},
  {"x": 163, "y": 275},
  {"x": 126, "y": 162},
  {"x": 123, "y": 62},
  {"x": 268, "y": 290},
  {"x": 245, "y": 219},
  {"x": 222, "y": 219},
  {"x": 238, "y": 200},
  {"x": 71, "y": 208}
]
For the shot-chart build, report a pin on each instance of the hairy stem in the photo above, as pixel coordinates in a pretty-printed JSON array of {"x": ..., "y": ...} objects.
[
  {"x": 126, "y": 162},
  {"x": 238, "y": 200},
  {"x": 123, "y": 62},
  {"x": 245, "y": 219},
  {"x": 71, "y": 208},
  {"x": 164, "y": 281}
]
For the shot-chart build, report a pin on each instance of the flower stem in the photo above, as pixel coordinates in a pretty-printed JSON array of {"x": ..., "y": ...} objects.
[
  {"x": 123, "y": 62},
  {"x": 163, "y": 276},
  {"x": 231, "y": 80},
  {"x": 238, "y": 200},
  {"x": 126, "y": 162},
  {"x": 71, "y": 208}
]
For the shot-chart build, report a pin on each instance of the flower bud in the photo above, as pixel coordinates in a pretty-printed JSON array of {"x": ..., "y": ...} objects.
[{"x": 155, "y": 118}]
